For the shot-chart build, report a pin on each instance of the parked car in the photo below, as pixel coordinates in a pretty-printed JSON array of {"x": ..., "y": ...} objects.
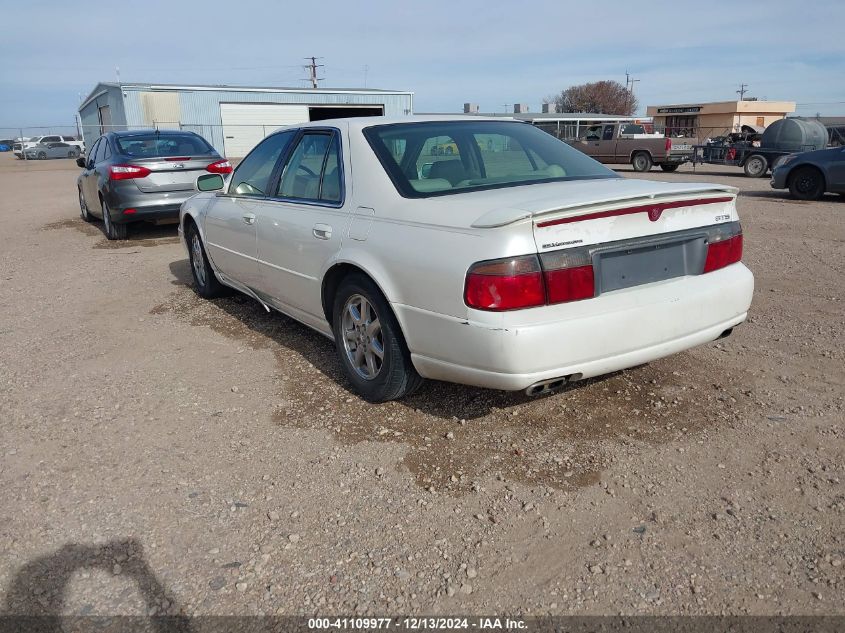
[
  {"x": 41, "y": 151},
  {"x": 510, "y": 270},
  {"x": 809, "y": 175},
  {"x": 630, "y": 143},
  {"x": 21, "y": 146},
  {"x": 142, "y": 176},
  {"x": 6, "y": 144}
]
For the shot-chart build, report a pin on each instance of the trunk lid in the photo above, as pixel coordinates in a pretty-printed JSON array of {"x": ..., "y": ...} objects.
[{"x": 171, "y": 173}]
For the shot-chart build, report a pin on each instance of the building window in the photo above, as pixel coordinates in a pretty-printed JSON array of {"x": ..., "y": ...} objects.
[{"x": 681, "y": 126}]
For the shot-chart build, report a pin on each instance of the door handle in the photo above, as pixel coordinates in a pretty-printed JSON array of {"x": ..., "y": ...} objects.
[
  {"x": 249, "y": 218},
  {"x": 322, "y": 231}
]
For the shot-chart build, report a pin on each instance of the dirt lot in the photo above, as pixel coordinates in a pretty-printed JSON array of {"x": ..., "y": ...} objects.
[{"x": 163, "y": 454}]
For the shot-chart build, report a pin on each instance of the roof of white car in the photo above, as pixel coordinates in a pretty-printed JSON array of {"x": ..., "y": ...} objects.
[{"x": 359, "y": 123}]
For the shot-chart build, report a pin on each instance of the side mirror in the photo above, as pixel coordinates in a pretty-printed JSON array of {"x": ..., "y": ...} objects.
[
  {"x": 81, "y": 161},
  {"x": 209, "y": 182}
]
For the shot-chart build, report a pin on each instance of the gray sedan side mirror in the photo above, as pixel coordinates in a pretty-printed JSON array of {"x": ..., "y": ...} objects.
[{"x": 209, "y": 182}]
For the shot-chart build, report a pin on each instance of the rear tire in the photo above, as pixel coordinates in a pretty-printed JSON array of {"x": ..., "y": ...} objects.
[
  {"x": 669, "y": 167},
  {"x": 641, "y": 161},
  {"x": 72, "y": 154},
  {"x": 755, "y": 166},
  {"x": 806, "y": 183},
  {"x": 205, "y": 280},
  {"x": 370, "y": 343},
  {"x": 83, "y": 208},
  {"x": 113, "y": 231}
]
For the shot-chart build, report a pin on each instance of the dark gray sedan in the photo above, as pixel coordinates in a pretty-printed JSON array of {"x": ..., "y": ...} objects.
[
  {"x": 142, "y": 176},
  {"x": 42, "y": 151},
  {"x": 810, "y": 174}
]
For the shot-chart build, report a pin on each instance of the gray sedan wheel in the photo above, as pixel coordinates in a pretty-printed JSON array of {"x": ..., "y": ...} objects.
[
  {"x": 113, "y": 231},
  {"x": 83, "y": 208},
  {"x": 370, "y": 343}
]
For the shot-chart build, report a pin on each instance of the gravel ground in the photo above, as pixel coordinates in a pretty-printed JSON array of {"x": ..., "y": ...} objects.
[{"x": 164, "y": 454}]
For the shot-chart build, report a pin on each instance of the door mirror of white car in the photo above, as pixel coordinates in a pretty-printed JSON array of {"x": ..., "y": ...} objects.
[
  {"x": 209, "y": 182},
  {"x": 81, "y": 162}
]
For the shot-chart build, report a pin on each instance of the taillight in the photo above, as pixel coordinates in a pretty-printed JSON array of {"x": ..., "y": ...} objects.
[
  {"x": 523, "y": 282},
  {"x": 568, "y": 275},
  {"x": 668, "y": 144},
  {"x": 723, "y": 250},
  {"x": 220, "y": 167},
  {"x": 505, "y": 284},
  {"x": 127, "y": 172}
]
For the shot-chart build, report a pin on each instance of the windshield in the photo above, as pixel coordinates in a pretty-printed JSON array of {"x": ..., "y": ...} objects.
[
  {"x": 433, "y": 158},
  {"x": 154, "y": 145}
]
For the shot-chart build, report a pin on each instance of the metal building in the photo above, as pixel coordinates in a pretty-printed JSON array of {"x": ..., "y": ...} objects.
[{"x": 232, "y": 118}]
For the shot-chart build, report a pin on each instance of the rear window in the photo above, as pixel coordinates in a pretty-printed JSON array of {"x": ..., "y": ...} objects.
[
  {"x": 433, "y": 158},
  {"x": 153, "y": 145}
]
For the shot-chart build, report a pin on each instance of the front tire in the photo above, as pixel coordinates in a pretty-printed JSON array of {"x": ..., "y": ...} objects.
[
  {"x": 370, "y": 344},
  {"x": 42, "y": 156},
  {"x": 641, "y": 161},
  {"x": 755, "y": 166},
  {"x": 204, "y": 279},
  {"x": 806, "y": 183},
  {"x": 113, "y": 231}
]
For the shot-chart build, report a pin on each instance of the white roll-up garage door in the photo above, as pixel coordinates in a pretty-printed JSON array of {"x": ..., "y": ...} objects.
[{"x": 245, "y": 124}]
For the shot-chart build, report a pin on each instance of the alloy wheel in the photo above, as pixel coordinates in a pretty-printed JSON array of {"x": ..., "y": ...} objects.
[
  {"x": 362, "y": 337},
  {"x": 197, "y": 261}
]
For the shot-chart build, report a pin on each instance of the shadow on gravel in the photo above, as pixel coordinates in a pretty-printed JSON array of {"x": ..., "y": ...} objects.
[
  {"x": 140, "y": 234},
  {"x": 453, "y": 435},
  {"x": 783, "y": 196},
  {"x": 38, "y": 589}
]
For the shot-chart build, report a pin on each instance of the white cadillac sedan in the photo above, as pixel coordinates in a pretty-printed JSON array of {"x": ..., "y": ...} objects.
[{"x": 471, "y": 250}]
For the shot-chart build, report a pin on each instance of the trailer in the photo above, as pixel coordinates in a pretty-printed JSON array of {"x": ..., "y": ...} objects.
[{"x": 757, "y": 152}]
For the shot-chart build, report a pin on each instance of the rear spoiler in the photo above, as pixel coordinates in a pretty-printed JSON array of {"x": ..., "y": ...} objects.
[{"x": 509, "y": 215}]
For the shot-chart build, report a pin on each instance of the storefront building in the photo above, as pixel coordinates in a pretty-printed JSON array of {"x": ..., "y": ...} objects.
[{"x": 703, "y": 120}]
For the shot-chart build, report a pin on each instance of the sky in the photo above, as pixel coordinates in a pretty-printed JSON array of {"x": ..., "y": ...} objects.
[{"x": 446, "y": 52}]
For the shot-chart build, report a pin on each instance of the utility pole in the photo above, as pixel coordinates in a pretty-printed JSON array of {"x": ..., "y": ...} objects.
[
  {"x": 117, "y": 72},
  {"x": 312, "y": 70},
  {"x": 743, "y": 88},
  {"x": 506, "y": 106},
  {"x": 629, "y": 87},
  {"x": 366, "y": 70}
]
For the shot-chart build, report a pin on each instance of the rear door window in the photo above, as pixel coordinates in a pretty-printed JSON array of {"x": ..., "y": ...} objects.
[
  {"x": 608, "y": 133},
  {"x": 313, "y": 170},
  {"x": 101, "y": 151}
]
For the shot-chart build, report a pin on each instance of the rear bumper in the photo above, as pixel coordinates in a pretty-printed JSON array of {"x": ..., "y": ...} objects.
[
  {"x": 148, "y": 207},
  {"x": 614, "y": 331},
  {"x": 676, "y": 159}
]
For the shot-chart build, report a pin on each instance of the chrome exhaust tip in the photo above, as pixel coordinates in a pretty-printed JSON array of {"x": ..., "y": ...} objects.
[{"x": 553, "y": 384}]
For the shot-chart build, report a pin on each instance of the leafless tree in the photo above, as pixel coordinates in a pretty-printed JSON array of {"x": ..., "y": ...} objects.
[{"x": 600, "y": 97}]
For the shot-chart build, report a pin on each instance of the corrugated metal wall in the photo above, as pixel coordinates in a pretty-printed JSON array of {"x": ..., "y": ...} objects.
[
  {"x": 90, "y": 118},
  {"x": 200, "y": 109}
]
